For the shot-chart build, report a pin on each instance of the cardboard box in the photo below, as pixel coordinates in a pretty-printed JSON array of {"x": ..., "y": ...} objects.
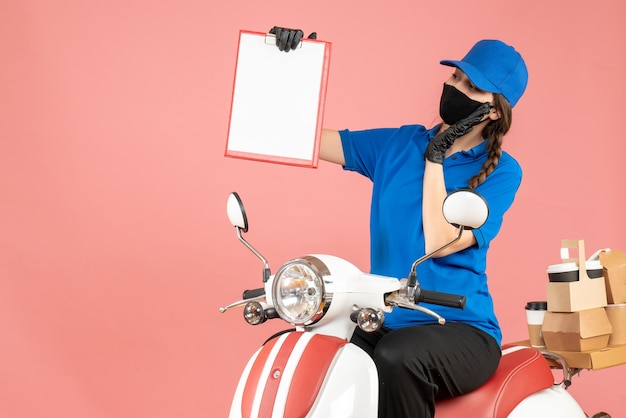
[
  {"x": 578, "y": 295},
  {"x": 614, "y": 271},
  {"x": 594, "y": 359},
  {"x": 617, "y": 316},
  {"x": 576, "y": 331}
]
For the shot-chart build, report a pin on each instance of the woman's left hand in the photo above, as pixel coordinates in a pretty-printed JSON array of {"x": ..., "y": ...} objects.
[
  {"x": 437, "y": 147},
  {"x": 288, "y": 39}
]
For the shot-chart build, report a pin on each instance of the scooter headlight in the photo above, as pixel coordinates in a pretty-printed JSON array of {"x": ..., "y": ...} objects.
[{"x": 298, "y": 291}]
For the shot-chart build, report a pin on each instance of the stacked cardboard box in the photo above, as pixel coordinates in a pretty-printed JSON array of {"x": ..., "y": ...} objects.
[
  {"x": 614, "y": 270},
  {"x": 586, "y": 318},
  {"x": 576, "y": 319}
]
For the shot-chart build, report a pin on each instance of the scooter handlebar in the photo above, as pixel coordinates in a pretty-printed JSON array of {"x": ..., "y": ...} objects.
[
  {"x": 253, "y": 293},
  {"x": 441, "y": 298}
]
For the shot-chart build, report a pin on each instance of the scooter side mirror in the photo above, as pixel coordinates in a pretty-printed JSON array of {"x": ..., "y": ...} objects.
[
  {"x": 237, "y": 216},
  {"x": 465, "y": 208},
  {"x": 236, "y": 212}
]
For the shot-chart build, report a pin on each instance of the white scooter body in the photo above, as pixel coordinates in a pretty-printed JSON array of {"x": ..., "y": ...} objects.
[
  {"x": 553, "y": 402},
  {"x": 316, "y": 372},
  {"x": 348, "y": 386}
]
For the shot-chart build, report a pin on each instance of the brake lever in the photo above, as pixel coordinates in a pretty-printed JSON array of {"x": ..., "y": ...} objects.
[{"x": 241, "y": 303}]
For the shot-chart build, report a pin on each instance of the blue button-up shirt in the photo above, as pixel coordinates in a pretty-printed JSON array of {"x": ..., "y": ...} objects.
[{"x": 393, "y": 158}]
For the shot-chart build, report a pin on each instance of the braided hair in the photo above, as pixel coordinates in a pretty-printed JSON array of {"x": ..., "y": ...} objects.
[{"x": 494, "y": 133}]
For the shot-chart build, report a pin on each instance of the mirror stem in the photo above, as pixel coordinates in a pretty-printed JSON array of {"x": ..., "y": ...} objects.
[
  {"x": 266, "y": 267},
  {"x": 412, "y": 282}
]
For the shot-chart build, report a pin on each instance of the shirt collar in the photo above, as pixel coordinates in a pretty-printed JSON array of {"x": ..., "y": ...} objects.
[
  {"x": 433, "y": 131},
  {"x": 477, "y": 151}
]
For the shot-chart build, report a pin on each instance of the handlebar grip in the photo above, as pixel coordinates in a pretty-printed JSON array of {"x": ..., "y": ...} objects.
[
  {"x": 441, "y": 298},
  {"x": 253, "y": 293}
]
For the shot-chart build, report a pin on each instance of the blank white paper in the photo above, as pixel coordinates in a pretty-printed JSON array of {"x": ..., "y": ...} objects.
[{"x": 277, "y": 104}]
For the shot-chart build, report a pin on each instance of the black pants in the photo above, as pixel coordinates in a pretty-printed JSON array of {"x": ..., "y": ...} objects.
[{"x": 420, "y": 364}]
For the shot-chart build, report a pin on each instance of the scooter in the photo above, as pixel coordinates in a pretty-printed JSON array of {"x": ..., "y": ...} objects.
[{"x": 314, "y": 371}]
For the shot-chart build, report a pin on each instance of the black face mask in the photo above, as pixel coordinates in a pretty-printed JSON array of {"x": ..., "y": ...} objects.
[{"x": 455, "y": 105}]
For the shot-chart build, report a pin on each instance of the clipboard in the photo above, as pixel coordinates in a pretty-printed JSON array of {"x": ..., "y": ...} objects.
[{"x": 278, "y": 100}]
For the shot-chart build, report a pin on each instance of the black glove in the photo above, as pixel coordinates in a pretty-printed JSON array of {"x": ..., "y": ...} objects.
[
  {"x": 288, "y": 39},
  {"x": 437, "y": 147}
]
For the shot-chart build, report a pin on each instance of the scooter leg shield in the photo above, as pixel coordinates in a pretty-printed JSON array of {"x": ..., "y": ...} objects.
[{"x": 304, "y": 374}]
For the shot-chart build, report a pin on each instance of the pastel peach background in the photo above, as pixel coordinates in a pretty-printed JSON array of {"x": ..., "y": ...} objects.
[{"x": 115, "y": 250}]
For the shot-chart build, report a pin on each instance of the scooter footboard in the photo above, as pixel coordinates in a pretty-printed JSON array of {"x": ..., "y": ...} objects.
[{"x": 294, "y": 375}]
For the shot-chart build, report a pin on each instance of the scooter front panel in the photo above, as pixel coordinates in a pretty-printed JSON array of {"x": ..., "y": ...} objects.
[
  {"x": 275, "y": 373},
  {"x": 310, "y": 373},
  {"x": 251, "y": 380},
  {"x": 350, "y": 388},
  {"x": 286, "y": 375}
]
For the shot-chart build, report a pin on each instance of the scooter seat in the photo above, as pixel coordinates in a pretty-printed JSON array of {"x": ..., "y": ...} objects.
[{"x": 522, "y": 372}]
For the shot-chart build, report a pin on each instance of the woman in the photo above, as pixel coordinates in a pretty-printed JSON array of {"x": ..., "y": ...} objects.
[{"x": 412, "y": 169}]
